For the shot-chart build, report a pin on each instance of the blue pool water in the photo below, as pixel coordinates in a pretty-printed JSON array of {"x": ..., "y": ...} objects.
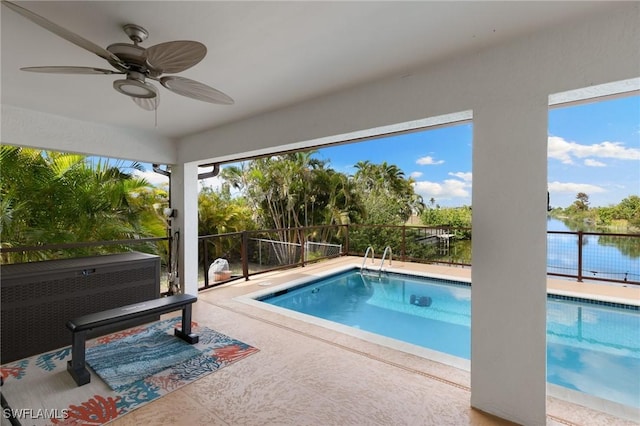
[{"x": 591, "y": 347}]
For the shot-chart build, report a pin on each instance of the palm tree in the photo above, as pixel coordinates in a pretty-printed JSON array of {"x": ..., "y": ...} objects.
[
  {"x": 388, "y": 195},
  {"x": 52, "y": 197},
  {"x": 365, "y": 175},
  {"x": 344, "y": 203}
]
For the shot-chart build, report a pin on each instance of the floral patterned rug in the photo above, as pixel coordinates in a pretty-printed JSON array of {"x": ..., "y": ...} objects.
[{"x": 40, "y": 391}]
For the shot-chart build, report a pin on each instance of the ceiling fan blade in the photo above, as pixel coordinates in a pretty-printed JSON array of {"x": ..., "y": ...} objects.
[
  {"x": 196, "y": 90},
  {"x": 70, "y": 70},
  {"x": 175, "y": 56},
  {"x": 64, "y": 33},
  {"x": 150, "y": 104}
]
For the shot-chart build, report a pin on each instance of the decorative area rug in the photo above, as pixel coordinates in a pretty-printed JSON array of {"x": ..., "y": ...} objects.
[
  {"x": 122, "y": 362},
  {"x": 40, "y": 390}
]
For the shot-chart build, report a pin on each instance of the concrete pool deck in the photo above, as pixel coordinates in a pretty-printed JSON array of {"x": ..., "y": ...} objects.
[
  {"x": 313, "y": 375},
  {"x": 307, "y": 374}
]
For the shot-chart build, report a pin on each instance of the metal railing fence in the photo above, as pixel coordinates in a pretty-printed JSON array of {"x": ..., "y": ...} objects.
[
  {"x": 583, "y": 256},
  {"x": 594, "y": 256},
  {"x": 253, "y": 252}
]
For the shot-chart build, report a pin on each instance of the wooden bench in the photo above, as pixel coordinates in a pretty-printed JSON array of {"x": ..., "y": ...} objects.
[{"x": 80, "y": 326}]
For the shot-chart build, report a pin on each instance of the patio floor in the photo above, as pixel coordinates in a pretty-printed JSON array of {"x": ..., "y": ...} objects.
[
  {"x": 312, "y": 375},
  {"x": 307, "y": 374}
]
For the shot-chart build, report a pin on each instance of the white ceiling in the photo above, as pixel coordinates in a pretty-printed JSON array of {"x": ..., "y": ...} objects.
[{"x": 266, "y": 55}]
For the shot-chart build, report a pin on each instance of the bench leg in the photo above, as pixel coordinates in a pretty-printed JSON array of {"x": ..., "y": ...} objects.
[
  {"x": 76, "y": 367},
  {"x": 185, "y": 334}
]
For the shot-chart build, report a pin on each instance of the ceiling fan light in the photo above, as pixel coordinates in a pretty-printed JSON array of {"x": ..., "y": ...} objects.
[{"x": 135, "y": 88}]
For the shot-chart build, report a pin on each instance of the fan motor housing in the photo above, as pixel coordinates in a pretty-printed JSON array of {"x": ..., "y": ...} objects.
[{"x": 131, "y": 54}]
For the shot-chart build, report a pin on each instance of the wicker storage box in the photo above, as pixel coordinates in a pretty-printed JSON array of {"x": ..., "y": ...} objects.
[{"x": 39, "y": 298}]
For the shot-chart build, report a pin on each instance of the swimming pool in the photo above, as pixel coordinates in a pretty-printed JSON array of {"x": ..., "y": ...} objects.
[{"x": 592, "y": 347}]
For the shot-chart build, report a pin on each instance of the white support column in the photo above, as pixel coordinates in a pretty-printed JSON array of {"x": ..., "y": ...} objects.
[
  {"x": 508, "y": 341},
  {"x": 184, "y": 198}
]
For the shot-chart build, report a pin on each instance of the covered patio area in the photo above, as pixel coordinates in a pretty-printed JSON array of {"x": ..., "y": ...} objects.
[{"x": 312, "y": 74}]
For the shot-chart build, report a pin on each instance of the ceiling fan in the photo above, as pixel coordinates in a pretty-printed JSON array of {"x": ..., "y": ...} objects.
[{"x": 136, "y": 63}]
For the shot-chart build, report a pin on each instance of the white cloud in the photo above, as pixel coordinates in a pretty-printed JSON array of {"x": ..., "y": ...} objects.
[
  {"x": 428, "y": 161},
  {"x": 416, "y": 175},
  {"x": 566, "y": 151},
  {"x": 465, "y": 176},
  {"x": 573, "y": 188},
  {"x": 447, "y": 189},
  {"x": 212, "y": 182},
  {"x": 152, "y": 177},
  {"x": 157, "y": 179},
  {"x": 450, "y": 188},
  {"x": 594, "y": 163}
]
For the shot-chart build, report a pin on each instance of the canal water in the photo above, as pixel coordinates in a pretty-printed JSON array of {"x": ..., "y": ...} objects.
[{"x": 602, "y": 256}]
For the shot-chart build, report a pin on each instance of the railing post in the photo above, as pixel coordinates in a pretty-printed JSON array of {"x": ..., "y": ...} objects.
[
  {"x": 303, "y": 241},
  {"x": 404, "y": 244},
  {"x": 205, "y": 253},
  {"x": 580, "y": 236},
  {"x": 346, "y": 239},
  {"x": 244, "y": 254}
]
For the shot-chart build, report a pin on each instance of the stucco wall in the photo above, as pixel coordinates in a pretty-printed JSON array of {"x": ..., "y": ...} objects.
[{"x": 25, "y": 127}]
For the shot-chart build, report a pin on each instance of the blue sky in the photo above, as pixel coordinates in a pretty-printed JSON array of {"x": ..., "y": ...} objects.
[
  {"x": 439, "y": 160},
  {"x": 593, "y": 148}
]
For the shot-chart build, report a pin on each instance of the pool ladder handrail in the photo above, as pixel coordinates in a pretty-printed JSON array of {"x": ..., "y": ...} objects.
[
  {"x": 384, "y": 255},
  {"x": 366, "y": 253}
]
